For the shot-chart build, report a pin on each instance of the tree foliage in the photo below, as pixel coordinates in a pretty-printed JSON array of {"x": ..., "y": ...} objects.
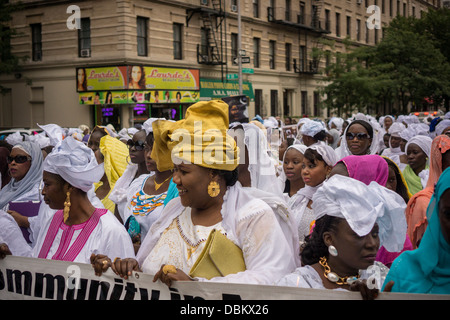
[{"x": 410, "y": 63}]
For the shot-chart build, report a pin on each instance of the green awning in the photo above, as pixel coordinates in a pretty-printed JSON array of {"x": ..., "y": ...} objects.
[{"x": 216, "y": 89}]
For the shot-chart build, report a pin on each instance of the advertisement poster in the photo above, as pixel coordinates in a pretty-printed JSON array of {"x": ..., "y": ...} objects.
[
  {"x": 238, "y": 108},
  {"x": 168, "y": 78},
  {"x": 103, "y": 97},
  {"x": 102, "y": 78}
]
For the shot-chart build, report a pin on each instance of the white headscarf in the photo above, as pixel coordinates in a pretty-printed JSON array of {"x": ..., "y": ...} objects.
[
  {"x": 261, "y": 167},
  {"x": 311, "y": 128},
  {"x": 328, "y": 154},
  {"x": 75, "y": 163},
  {"x": 423, "y": 142},
  {"x": 54, "y": 132},
  {"x": 14, "y": 189},
  {"x": 147, "y": 125},
  {"x": 362, "y": 206},
  {"x": 342, "y": 151},
  {"x": 444, "y": 124}
]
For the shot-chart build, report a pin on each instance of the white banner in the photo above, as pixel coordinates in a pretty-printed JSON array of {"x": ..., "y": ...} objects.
[{"x": 30, "y": 278}]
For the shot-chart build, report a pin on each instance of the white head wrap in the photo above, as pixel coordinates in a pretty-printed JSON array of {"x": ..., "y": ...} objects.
[
  {"x": 311, "y": 128},
  {"x": 342, "y": 151},
  {"x": 362, "y": 206},
  {"x": 396, "y": 128},
  {"x": 147, "y": 125},
  {"x": 328, "y": 154},
  {"x": 441, "y": 126},
  {"x": 261, "y": 166},
  {"x": 14, "y": 138},
  {"x": 423, "y": 142},
  {"x": 75, "y": 163},
  {"x": 54, "y": 132}
]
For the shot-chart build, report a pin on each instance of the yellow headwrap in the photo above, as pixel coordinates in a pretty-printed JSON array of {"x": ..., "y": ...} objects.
[{"x": 201, "y": 138}]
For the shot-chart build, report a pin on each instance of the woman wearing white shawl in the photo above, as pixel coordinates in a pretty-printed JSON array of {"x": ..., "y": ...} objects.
[
  {"x": 416, "y": 172},
  {"x": 25, "y": 188},
  {"x": 300, "y": 204},
  {"x": 394, "y": 150},
  {"x": 356, "y": 127},
  {"x": 74, "y": 233},
  {"x": 178, "y": 237},
  {"x": 258, "y": 176},
  {"x": 352, "y": 220}
]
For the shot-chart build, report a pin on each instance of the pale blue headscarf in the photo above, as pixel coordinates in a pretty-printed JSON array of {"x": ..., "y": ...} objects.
[{"x": 426, "y": 269}]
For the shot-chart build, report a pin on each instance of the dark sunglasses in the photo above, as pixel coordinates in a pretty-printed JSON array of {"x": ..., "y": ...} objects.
[
  {"x": 359, "y": 135},
  {"x": 18, "y": 159},
  {"x": 138, "y": 145}
]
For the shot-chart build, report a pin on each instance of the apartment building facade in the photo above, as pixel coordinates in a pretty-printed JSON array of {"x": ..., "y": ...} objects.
[{"x": 86, "y": 70}]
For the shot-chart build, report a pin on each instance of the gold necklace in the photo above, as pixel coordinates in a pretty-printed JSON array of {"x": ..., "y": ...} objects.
[
  {"x": 333, "y": 277},
  {"x": 158, "y": 185}
]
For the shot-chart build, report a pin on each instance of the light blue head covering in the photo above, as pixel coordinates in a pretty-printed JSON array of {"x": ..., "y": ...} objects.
[
  {"x": 14, "y": 189},
  {"x": 426, "y": 269}
]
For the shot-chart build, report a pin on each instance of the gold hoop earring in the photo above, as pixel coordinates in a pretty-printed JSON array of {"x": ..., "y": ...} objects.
[
  {"x": 213, "y": 189},
  {"x": 67, "y": 205}
]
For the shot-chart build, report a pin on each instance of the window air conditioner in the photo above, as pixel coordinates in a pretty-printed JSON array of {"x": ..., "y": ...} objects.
[{"x": 85, "y": 53}]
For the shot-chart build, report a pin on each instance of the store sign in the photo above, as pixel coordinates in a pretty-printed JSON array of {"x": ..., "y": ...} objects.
[
  {"x": 132, "y": 97},
  {"x": 216, "y": 89},
  {"x": 137, "y": 78},
  {"x": 171, "y": 78}
]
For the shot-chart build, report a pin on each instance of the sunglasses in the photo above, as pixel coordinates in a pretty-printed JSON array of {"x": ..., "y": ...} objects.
[
  {"x": 138, "y": 145},
  {"x": 18, "y": 159},
  {"x": 359, "y": 136}
]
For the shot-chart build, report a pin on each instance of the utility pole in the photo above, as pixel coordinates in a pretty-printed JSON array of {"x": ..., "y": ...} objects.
[{"x": 239, "y": 47}]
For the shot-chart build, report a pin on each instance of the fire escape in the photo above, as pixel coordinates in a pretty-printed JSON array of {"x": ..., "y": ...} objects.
[
  {"x": 309, "y": 26},
  {"x": 211, "y": 50}
]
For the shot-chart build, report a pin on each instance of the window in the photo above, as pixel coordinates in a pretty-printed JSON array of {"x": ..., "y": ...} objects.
[
  {"x": 142, "y": 44},
  {"x": 390, "y": 8},
  {"x": 302, "y": 62},
  {"x": 177, "y": 41},
  {"x": 327, "y": 20},
  {"x": 274, "y": 103},
  {"x": 383, "y": 9},
  {"x": 272, "y": 46},
  {"x": 301, "y": 16},
  {"x": 256, "y": 52},
  {"x": 84, "y": 38},
  {"x": 349, "y": 26},
  {"x": 304, "y": 102},
  {"x": 258, "y": 102},
  {"x": 234, "y": 46},
  {"x": 255, "y": 8},
  {"x": 338, "y": 24},
  {"x": 358, "y": 29},
  {"x": 288, "y": 54},
  {"x": 204, "y": 41},
  {"x": 316, "y": 99},
  {"x": 287, "y": 11},
  {"x": 36, "y": 41}
]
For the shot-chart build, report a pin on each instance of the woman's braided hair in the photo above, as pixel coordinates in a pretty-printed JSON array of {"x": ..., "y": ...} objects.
[{"x": 314, "y": 248}]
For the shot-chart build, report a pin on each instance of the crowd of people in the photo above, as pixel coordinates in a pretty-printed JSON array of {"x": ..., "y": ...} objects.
[{"x": 207, "y": 200}]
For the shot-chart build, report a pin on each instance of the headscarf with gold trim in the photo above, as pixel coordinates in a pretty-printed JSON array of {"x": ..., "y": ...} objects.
[{"x": 201, "y": 138}]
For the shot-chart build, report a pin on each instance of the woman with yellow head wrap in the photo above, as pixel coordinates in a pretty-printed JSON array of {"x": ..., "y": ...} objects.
[{"x": 205, "y": 159}]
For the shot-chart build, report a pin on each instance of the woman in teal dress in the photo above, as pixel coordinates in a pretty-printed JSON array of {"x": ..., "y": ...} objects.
[{"x": 427, "y": 269}]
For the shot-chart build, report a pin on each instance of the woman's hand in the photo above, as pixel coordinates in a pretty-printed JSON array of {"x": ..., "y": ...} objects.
[
  {"x": 21, "y": 220},
  {"x": 4, "y": 250},
  {"x": 167, "y": 274},
  {"x": 100, "y": 263},
  {"x": 125, "y": 267},
  {"x": 366, "y": 293}
]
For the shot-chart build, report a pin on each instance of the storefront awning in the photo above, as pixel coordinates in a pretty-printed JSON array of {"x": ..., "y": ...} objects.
[{"x": 216, "y": 89}]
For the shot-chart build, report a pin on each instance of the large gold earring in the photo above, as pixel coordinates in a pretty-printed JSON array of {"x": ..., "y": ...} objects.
[
  {"x": 67, "y": 205},
  {"x": 213, "y": 189}
]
